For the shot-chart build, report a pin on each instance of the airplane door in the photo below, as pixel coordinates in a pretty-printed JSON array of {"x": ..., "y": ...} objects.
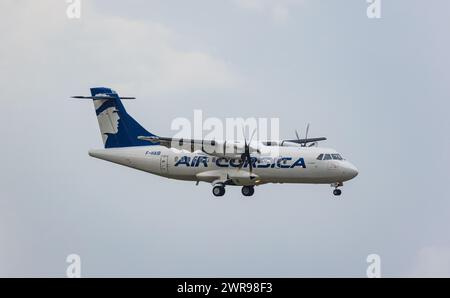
[{"x": 164, "y": 164}]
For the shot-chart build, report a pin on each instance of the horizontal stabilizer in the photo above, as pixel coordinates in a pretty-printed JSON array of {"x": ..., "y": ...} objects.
[{"x": 101, "y": 97}]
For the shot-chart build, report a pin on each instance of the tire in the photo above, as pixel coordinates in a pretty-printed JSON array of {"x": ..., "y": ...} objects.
[
  {"x": 337, "y": 192},
  {"x": 248, "y": 191},
  {"x": 218, "y": 191}
]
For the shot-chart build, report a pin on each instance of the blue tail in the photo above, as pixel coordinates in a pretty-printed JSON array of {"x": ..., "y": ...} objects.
[{"x": 118, "y": 129}]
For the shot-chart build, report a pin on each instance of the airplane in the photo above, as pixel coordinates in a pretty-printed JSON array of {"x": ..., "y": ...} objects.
[{"x": 221, "y": 163}]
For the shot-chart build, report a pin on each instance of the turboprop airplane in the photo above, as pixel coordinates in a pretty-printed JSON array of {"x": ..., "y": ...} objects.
[{"x": 220, "y": 163}]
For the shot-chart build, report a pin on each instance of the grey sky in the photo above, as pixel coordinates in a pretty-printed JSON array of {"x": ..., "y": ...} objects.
[{"x": 378, "y": 89}]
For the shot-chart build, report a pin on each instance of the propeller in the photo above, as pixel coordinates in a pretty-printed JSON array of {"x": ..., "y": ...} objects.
[
  {"x": 246, "y": 157},
  {"x": 296, "y": 133},
  {"x": 306, "y": 136}
]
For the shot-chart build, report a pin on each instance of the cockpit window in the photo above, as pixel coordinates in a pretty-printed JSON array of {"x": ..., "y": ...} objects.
[
  {"x": 336, "y": 156},
  {"x": 329, "y": 157}
]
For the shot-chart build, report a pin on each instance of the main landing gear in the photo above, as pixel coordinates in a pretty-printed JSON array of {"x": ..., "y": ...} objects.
[
  {"x": 248, "y": 191},
  {"x": 218, "y": 190},
  {"x": 337, "y": 192}
]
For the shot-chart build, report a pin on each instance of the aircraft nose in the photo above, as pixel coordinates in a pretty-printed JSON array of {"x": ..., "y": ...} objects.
[{"x": 350, "y": 171}]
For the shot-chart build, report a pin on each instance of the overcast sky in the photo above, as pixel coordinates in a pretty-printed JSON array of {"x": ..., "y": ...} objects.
[{"x": 379, "y": 89}]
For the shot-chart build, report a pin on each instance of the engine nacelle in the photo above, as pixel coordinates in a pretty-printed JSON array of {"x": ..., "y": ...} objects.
[{"x": 227, "y": 149}]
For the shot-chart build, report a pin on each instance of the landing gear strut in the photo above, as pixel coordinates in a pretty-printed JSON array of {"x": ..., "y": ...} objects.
[
  {"x": 337, "y": 192},
  {"x": 248, "y": 191},
  {"x": 218, "y": 190}
]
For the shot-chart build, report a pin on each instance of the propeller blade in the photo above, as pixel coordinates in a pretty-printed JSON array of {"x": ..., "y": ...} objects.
[
  {"x": 250, "y": 163},
  {"x": 251, "y": 138},
  {"x": 296, "y": 133},
  {"x": 307, "y": 131},
  {"x": 243, "y": 157},
  {"x": 243, "y": 134},
  {"x": 306, "y": 135}
]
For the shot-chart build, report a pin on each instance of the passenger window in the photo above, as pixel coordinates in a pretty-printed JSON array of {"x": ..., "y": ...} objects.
[
  {"x": 336, "y": 156},
  {"x": 320, "y": 157},
  {"x": 327, "y": 157}
]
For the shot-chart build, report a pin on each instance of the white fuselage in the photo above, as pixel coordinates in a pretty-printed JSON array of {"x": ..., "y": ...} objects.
[{"x": 289, "y": 165}]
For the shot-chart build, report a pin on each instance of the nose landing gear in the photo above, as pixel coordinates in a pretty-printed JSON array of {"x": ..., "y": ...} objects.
[{"x": 337, "y": 192}]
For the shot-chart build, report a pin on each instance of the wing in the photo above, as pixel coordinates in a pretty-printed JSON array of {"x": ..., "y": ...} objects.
[
  {"x": 306, "y": 141},
  {"x": 215, "y": 148},
  {"x": 186, "y": 144},
  {"x": 211, "y": 145}
]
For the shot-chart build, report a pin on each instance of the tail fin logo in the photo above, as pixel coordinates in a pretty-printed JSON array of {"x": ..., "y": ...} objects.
[{"x": 108, "y": 118}]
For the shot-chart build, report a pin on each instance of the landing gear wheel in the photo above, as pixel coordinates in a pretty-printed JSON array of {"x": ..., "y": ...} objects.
[
  {"x": 248, "y": 191},
  {"x": 337, "y": 192},
  {"x": 218, "y": 191}
]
